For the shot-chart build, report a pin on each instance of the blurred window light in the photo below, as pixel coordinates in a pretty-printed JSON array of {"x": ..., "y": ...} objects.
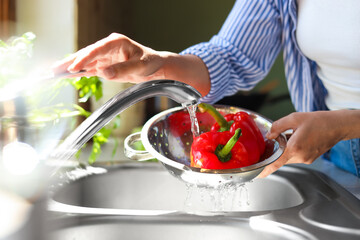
[{"x": 19, "y": 158}]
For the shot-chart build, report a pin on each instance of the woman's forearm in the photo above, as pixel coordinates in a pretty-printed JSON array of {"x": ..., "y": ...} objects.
[{"x": 189, "y": 69}]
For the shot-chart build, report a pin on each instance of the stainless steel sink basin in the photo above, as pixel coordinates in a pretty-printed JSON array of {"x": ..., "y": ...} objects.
[
  {"x": 149, "y": 187},
  {"x": 137, "y": 201}
]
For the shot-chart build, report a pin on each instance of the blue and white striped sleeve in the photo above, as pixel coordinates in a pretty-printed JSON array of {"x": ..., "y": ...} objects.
[{"x": 242, "y": 53}]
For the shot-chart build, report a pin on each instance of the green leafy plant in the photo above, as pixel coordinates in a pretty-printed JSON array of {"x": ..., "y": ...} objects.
[
  {"x": 88, "y": 87},
  {"x": 15, "y": 55}
]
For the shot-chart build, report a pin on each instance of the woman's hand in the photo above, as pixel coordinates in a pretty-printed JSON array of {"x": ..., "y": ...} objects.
[
  {"x": 116, "y": 57},
  {"x": 119, "y": 58},
  {"x": 314, "y": 134}
]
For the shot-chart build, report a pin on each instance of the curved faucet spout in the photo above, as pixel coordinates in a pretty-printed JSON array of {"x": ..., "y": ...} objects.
[{"x": 177, "y": 91}]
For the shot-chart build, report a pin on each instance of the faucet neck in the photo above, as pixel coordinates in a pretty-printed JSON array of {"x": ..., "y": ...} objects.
[{"x": 177, "y": 91}]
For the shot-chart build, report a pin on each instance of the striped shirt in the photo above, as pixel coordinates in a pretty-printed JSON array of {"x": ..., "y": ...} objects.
[{"x": 245, "y": 48}]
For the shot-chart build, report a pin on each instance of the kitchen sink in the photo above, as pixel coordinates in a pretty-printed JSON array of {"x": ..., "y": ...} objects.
[
  {"x": 142, "y": 200},
  {"x": 149, "y": 187}
]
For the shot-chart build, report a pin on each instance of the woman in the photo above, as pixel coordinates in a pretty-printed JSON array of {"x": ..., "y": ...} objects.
[{"x": 322, "y": 66}]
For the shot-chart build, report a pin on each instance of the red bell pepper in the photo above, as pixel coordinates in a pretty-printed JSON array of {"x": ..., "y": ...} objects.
[
  {"x": 244, "y": 117},
  {"x": 180, "y": 123},
  {"x": 219, "y": 150},
  {"x": 251, "y": 137}
]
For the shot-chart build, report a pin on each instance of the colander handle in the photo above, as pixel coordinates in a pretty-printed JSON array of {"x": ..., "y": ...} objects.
[{"x": 131, "y": 152}]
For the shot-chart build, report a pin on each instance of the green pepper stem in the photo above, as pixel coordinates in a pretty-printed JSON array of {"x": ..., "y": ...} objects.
[
  {"x": 224, "y": 153},
  {"x": 224, "y": 125}
]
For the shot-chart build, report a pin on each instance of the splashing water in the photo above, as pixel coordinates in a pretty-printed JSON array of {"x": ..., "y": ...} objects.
[{"x": 227, "y": 197}]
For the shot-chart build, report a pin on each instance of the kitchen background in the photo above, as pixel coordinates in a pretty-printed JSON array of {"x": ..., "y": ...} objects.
[
  {"x": 63, "y": 26},
  {"x": 298, "y": 203}
]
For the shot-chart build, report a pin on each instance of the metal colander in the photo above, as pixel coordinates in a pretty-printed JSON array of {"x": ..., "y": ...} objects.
[{"x": 170, "y": 142}]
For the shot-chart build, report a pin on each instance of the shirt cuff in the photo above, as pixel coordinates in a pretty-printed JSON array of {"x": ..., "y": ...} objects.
[{"x": 213, "y": 57}]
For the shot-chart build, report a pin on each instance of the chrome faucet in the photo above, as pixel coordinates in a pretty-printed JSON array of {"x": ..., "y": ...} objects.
[{"x": 177, "y": 91}]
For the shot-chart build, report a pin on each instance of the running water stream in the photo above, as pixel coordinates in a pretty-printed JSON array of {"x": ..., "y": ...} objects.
[{"x": 195, "y": 129}]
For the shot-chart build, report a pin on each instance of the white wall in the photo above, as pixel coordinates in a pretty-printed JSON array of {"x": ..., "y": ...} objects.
[{"x": 54, "y": 24}]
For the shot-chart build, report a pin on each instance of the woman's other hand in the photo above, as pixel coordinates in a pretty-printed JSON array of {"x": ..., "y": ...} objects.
[{"x": 314, "y": 134}]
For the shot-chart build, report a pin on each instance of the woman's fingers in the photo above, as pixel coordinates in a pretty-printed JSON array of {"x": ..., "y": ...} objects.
[
  {"x": 281, "y": 125},
  {"x": 116, "y": 48},
  {"x": 83, "y": 74},
  {"x": 271, "y": 168},
  {"x": 85, "y": 58},
  {"x": 288, "y": 157},
  {"x": 62, "y": 65}
]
